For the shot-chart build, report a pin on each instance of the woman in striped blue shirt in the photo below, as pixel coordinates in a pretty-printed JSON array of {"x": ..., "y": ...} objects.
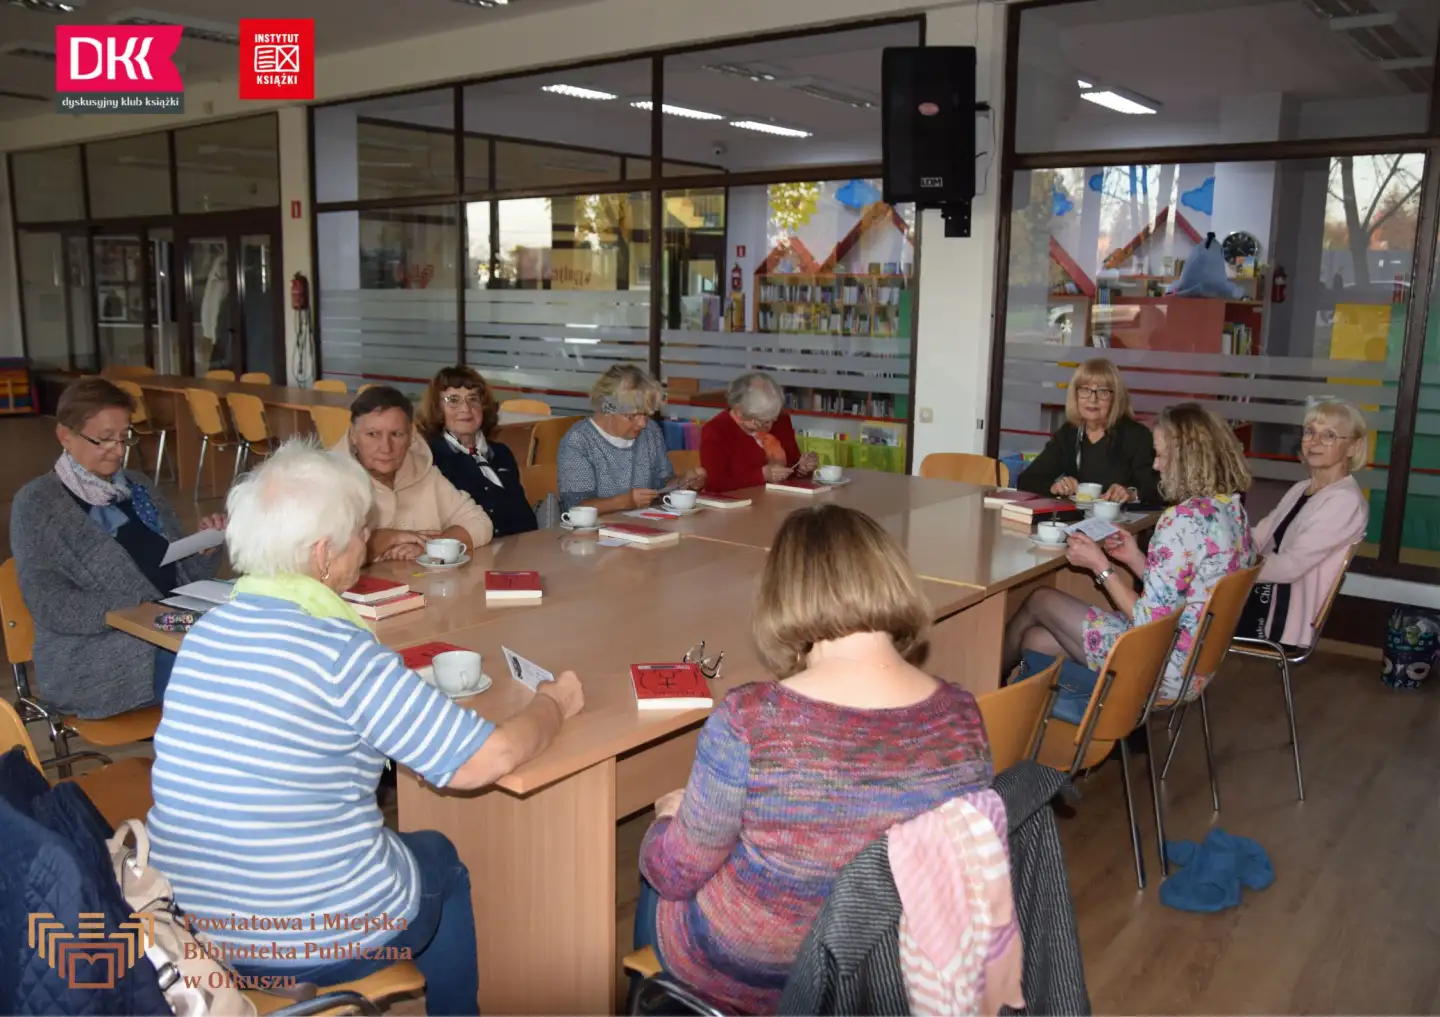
[{"x": 280, "y": 714}]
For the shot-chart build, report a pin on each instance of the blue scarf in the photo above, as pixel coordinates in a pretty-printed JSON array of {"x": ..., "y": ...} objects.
[{"x": 102, "y": 495}]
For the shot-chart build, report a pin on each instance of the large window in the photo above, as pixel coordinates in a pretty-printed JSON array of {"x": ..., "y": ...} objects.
[
  {"x": 230, "y": 165},
  {"x": 47, "y": 185},
  {"x": 397, "y": 147},
  {"x": 129, "y": 177}
]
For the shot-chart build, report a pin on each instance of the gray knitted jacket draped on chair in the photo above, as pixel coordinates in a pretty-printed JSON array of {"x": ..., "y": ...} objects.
[{"x": 71, "y": 573}]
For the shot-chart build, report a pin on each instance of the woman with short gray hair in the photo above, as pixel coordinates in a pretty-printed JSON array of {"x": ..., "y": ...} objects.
[
  {"x": 281, "y": 713},
  {"x": 617, "y": 459},
  {"x": 754, "y": 443}
]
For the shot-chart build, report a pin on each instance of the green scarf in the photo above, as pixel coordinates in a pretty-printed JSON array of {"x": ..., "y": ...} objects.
[{"x": 310, "y": 595}]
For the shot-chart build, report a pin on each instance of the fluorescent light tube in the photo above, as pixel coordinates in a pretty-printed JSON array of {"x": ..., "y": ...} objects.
[
  {"x": 577, "y": 92},
  {"x": 1084, "y": 84},
  {"x": 679, "y": 111},
  {"x": 1117, "y": 102},
  {"x": 764, "y": 128}
]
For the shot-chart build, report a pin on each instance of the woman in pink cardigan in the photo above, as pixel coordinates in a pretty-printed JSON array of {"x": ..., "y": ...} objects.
[{"x": 1305, "y": 539}]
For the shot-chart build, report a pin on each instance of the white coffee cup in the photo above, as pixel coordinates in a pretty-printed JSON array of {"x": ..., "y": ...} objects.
[
  {"x": 444, "y": 550},
  {"x": 1051, "y": 533},
  {"x": 683, "y": 500},
  {"x": 830, "y": 474},
  {"x": 457, "y": 671},
  {"x": 1108, "y": 510},
  {"x": 580, "y": 515},
  {"x": 1088, "y": 491}
]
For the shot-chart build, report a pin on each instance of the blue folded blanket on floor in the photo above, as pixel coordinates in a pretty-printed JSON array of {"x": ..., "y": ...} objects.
[{"x": 1213, "y": 872}]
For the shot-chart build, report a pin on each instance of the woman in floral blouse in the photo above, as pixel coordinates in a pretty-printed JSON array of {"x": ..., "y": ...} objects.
[{"x": 1201, "y": 538}]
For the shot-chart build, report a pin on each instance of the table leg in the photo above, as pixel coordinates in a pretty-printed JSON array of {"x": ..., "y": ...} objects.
[
  {"x": 965, "y": 648},
  {"x": 542, "y": 877}
]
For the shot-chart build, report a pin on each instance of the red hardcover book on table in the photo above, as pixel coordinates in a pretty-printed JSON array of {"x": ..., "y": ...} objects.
[
  {"x": 421, "y": 659},
  {"x": 1004, "y": 497},
  {"x": 796, "y": 485},
  {"x": 512, "y": 585},
  {"x": 382, "y": 609},
  {"x": 370, "y": 589},
  {"x": 1033, "y": 511},
  {"x": 638, "y": 534},
  {"x": 670, "y": 687},
  {"x": 722, "y": 501}
]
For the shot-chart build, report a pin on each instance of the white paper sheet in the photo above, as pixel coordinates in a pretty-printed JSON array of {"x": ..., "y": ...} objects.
[
  {"x": 1096, "y": 529},
  {"x": 525, "y": 672},
  {"x": 214, "y": 590},
  {"x": 188, "y": 604},
  {"x": 193, "y": 544}
]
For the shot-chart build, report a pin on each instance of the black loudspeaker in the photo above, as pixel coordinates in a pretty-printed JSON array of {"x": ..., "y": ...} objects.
[{"x": 928, "y": 125}]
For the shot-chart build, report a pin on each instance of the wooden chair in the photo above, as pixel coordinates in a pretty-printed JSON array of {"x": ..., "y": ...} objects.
[
  {"x": 545, "y": 439},
  {"x": 220, "y": 374},
  {"x": 1013, "y": 716},
  {"x": 143, "y": 426},
  {"x": 1285, "y": 657},
  {"x": 128, "y": 371},
  {"x": 205, "y": 408},
  {"x": 251, "y": 426},
  {"x": 255, "y": 378},
  {"x": 362, "y": 995},
  {"x": 525, "y": 406},
  {"x": 331, "y": 385},
  {"x": 647, "y": 977},
  {"x": 965, "y": 467},
  {"x": 1213, "y": 633},
  {"x": 538, "y": 482},
  {"x": 19, "y": 630},
  {"x": 331, "y": 424},
  {"x": 682, "y": 461},
  {"x": 1117, "y": 707},
  {"x": 367, "y": 385}
]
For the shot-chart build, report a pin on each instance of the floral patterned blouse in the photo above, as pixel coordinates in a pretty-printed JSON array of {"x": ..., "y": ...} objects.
[{"x": 1196, "y": 544}]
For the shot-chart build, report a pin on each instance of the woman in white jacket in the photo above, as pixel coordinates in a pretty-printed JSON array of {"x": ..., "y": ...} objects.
[{"x": 1305, "y": 539}]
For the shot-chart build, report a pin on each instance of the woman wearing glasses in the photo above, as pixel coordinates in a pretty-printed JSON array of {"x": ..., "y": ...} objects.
[
  {"x": 457, "y": 415},
  {"x": 1305, "y": 539},
  {"x": 754, "y": 443},
  {"x": 89, "y": 537},
  {"x": 616, "y": 460},
  {"x": 1100, "y": 443}
]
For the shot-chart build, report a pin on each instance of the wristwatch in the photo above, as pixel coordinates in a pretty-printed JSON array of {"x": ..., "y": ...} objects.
[{"x": 1104, "y": 575}]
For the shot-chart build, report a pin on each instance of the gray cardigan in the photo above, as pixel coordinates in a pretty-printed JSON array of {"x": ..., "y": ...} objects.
[
  {"x": 587, "y": 466},
  {"x": 72, "y": 572}
]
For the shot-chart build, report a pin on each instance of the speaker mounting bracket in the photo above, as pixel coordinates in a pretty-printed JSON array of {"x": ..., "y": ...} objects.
[{"x": 956, "y": 215}]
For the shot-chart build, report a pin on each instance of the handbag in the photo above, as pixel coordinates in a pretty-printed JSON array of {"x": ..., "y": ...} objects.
[{"x": 196, "y": 982}]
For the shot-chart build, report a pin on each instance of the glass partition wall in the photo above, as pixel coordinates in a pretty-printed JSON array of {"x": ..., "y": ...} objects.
[
  {"x": 1312, "y": 176},
  {"x": 699, "y": 214}
]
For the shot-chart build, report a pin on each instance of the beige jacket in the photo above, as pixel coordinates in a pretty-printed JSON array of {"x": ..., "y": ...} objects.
[{"x": 423, "y": 499}]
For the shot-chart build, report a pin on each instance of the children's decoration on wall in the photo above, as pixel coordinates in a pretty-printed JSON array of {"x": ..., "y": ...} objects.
[
  {"x": 792, "y": 205},
  {"x": 1060, "y": 202},
  {"x": 1202, "y": 198},
  {"x": 1097, "y": 183},
  {"x": 857, "y": 194},
  {"x": 1204, "y": 273},
  {"x": 414, "y": 277}
]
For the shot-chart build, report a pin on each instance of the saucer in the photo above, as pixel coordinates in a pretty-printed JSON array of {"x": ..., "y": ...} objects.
[
  {"x": 426, "y": 562},
  {"x": 834, "y": 483},
  {"x": 672, "y": 511},
  {"x": 484, "y": 684},
  {"x": 1053, "y": 545},
  {"x": 579, "y": 529}
]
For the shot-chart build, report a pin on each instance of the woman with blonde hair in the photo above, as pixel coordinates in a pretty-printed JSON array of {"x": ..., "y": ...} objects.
[
  {"x": 617, "y": 460},
  {"x": 1306, "y": 538},
  {"x": 793, "y": 777},
  {"x": 1203, "y": 536},
  {"x": 1100, "y": 442}
]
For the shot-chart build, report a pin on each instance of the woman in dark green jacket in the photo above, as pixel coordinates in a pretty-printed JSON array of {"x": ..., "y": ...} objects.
[{"x": 1101, "y": 443}]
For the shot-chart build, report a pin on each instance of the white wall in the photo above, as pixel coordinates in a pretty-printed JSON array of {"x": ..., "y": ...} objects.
[{"x": 10, "y": 335}]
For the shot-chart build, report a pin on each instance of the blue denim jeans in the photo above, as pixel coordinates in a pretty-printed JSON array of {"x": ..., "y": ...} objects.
[
  {"x": 164, "y": 664},
  {"x": 441, "y": 938},
  {"x": 1077, "y": 682},
  {"x": 646, "y": 917}
]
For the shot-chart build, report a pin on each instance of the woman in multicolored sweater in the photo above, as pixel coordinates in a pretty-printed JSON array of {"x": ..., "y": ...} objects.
[{"x": 792, "y": 778}]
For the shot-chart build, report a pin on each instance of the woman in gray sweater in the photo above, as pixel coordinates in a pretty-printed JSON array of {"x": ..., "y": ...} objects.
[{"x": 88, "y": 538}]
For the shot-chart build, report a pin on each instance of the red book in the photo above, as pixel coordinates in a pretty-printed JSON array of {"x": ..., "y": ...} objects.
[
  {"x": 670, "y": 687},
  {"x": 514, "y": 585},
  {"x": 1004, "y": 497},
  {"x": 369, "y": 589},
  {"x": 797, "y": 485},
  {"x": 722, "y": 501},
  {"x": 381, "y": 609},
  {"x": 1037, "y": 509},
  {"x": 638, "y": 534},
  {"x": 421, "y": 658}
]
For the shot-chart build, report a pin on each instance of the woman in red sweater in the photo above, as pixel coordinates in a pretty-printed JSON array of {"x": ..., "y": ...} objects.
[{"x": 754, "y": 442}]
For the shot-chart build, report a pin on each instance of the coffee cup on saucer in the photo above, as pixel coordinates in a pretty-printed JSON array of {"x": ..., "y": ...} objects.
[
  {"x": 682, "y": 500},
  {"x": 830, "y": 473},
  {"x": 457, "y": 671},
  {"x": 444, "y": 550},
  {"x": 1088, "y": 492},
  {"x": 1107, "y": 510},
  {"x": 581, "y": 516},
  {"x": 1051, "y": 533}
]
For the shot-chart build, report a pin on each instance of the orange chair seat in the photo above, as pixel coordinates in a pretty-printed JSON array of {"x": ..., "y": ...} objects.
[
  {"x": 120, "y": 791},
  {"x": 642, "y": 962},
  {"x": 135, "y": 726}
]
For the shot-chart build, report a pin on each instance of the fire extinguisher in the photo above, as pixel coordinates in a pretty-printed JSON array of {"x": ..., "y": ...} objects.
[
  {"x": 299, "y": 293},
  {"x": 1277, "y": 286},
  {"x": 737, "y": 280}
]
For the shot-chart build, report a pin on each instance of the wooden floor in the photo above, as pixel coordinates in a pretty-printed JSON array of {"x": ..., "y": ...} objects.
[{"x": 1351, "y": 922}]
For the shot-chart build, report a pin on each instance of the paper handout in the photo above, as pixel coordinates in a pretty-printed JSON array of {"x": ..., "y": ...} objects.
[
  {"x": 193, "y": 544},
  {"x": 525, "y": 672},
  {"x": 1094, "y": 528}
]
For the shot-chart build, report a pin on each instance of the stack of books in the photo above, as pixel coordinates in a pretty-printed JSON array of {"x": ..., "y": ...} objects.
[
  {"x": 1033, "y": 510},
  {"x": 375, "y": 598}
]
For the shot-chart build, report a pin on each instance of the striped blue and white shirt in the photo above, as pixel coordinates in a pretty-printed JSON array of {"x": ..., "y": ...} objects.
[{"x": 275, "y": 730}]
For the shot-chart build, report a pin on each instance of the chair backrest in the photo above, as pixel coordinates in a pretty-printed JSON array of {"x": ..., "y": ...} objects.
[
  {"x": 1013, "y": 715},
  {"x": 127, "y": 371},
  {"x": 1128, "y": 676},
  {"x": 205, "y": 408},
  {"x": 137, "y": 396},
  {"x": 1323, "y": 615},
  {"x": 13, "y": 733},
  {"x": 682, "y": 461},
  {"x": 331, "y": 424},
  {"x": 1217, "y": 623},
  {"x": 366, "y": 386},
  {"x": 966, "y": 467},
  {"x": 248, "y": 412},
  {"x": 525, "y": 406},
  {"x": 539, "y": 481},
  {"x": 545, "y": 439},
  {"x": 255, "y": 378},
  {"x": 220, "y": 374},
  {"x": 19, "y": 627},
  {"x": 330, "y": 385}
]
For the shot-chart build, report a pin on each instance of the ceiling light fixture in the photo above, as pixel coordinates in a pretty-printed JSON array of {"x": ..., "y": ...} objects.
[
  {"x": 5, "y": 93},
  {"x": 768, "y": 128},
  {"x": 1351, "y": 22},
  {"x": 1083, "y": 83},
  {"x": 1405, "y": 64},
  {"x": 194, "y": 28},
  {"x": 855, "y": 100},
  {"x": 754, "y": 73},
  {"x": 28, "y": 51},
  {"x": 578, "y": 92},
  {"x": 49, "y": 6},
  {"x": 678, "y": 111},
  {"x": 1113, "y": 100},
  {"x": 483, "y": 3}
]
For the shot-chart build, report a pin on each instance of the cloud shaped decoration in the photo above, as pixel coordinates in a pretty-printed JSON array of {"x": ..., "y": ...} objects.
[
  {"x": 857, "y": 194},
  {"x": 1097, "y": 183},
  {"x": 1202, "y": 198},
  {"x": 1061, "y": 202}
]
